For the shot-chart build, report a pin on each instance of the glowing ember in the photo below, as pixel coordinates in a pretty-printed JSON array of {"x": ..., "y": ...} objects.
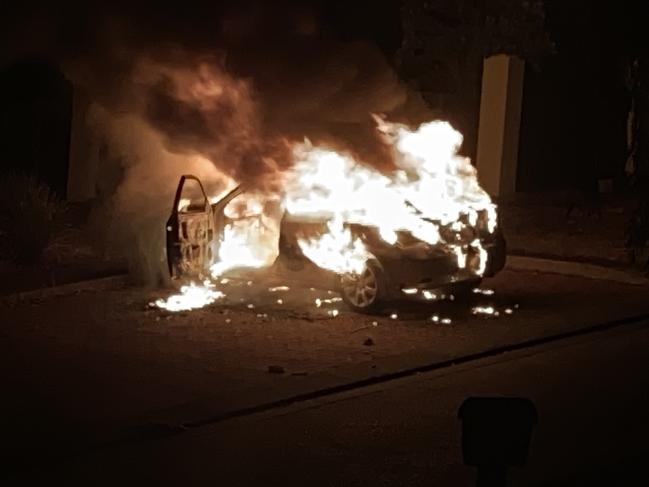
[
  {"x": 485, "y": 292},
  {"x": 429, "y": 295},
  {"x": 191, "y": 297},
  {"x": 484, "y": 310},
  {"x": 278, "y": 289},
  {"x": 444, "y": 321}
]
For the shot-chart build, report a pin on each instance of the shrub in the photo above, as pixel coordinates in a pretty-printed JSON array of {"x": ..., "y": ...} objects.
[{"x": 27, "y": 214}]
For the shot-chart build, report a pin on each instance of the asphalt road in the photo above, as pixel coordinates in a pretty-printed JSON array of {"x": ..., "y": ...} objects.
[
  {"x": 590, "y": 393},
  {"x": 95, "y": 371}
]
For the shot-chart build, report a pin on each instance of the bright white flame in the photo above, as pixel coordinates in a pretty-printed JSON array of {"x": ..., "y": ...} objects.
[
  {"x": 191, "y": 297},
  {"x": 483, "y": 256},
  {"x": 278, "y": 289},
  {"x": 336, "y": 250},
  {"x": 431, "y": 187}
]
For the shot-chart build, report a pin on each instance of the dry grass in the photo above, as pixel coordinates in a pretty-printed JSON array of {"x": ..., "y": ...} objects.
[{"x": 28, "y": 209}]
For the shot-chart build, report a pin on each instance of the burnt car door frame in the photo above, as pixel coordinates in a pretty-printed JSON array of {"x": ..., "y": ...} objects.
[
  {"x": 190, "y": 251},
  {"x": 190, "y": 235}
]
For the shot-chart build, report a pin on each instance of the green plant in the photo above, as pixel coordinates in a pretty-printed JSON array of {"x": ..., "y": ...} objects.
[{"x": 27, "y": 216}]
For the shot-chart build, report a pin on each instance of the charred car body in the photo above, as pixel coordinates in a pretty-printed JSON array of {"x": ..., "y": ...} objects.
[{"x": 196, "y": 227}]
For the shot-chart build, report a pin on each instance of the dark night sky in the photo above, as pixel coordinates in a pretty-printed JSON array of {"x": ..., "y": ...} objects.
[{"x": 72, "y": 27}]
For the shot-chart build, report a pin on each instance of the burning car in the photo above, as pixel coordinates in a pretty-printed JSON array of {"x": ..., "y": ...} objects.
[{"x": 428, "y": 226}]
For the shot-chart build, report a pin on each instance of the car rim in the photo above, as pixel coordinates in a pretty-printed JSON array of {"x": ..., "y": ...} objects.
[{"x": 360, "y": 290}]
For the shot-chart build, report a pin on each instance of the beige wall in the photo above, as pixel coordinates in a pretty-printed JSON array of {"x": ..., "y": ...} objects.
[{"x": 500, "y": 117}]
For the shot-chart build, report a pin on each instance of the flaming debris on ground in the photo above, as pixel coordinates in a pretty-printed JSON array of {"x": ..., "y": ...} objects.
[
  {"x": 192, "y": 296},
  {"x": 437, "y": 319},
  {"x": 492, "y": 311}
]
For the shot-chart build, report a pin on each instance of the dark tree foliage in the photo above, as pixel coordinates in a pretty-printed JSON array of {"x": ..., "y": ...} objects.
[
  {"x": 446, "y": 41},
  {"x": 484, "y": 28},
  {"x": 638, "y": 164},
  {"x": 471, "y": 30}
]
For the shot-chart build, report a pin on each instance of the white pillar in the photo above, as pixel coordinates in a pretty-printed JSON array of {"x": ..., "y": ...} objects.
[
  {"x": 500, "y": 118},
  {"x": 83, "y": 157}
]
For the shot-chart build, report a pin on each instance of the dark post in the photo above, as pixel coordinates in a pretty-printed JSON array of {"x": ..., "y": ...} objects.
[{"x": 496, "y": 433}]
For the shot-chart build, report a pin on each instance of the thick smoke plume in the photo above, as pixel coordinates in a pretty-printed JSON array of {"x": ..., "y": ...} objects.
[{"x": 230, "y": 86}]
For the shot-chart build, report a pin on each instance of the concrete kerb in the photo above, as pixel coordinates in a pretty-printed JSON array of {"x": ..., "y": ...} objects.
[
  {"x": 578, "y": 269},
  {"x": 100, "y": 284},
  {"x": 514, "y": 263}
]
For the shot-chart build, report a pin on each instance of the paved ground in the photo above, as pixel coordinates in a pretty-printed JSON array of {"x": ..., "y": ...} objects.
[
  {"x": 94, "y": 368},
  {"x": 590, "y": 394}
]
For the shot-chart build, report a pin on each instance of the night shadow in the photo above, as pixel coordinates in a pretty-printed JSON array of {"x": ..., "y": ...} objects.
[{"x": 496, "y": 433}]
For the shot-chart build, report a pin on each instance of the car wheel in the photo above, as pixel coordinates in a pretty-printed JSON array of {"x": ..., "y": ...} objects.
[{"x": 366, "y": 291}]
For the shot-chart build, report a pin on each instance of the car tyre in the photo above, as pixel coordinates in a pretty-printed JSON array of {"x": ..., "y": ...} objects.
[{"x": 365, "y": 292}]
